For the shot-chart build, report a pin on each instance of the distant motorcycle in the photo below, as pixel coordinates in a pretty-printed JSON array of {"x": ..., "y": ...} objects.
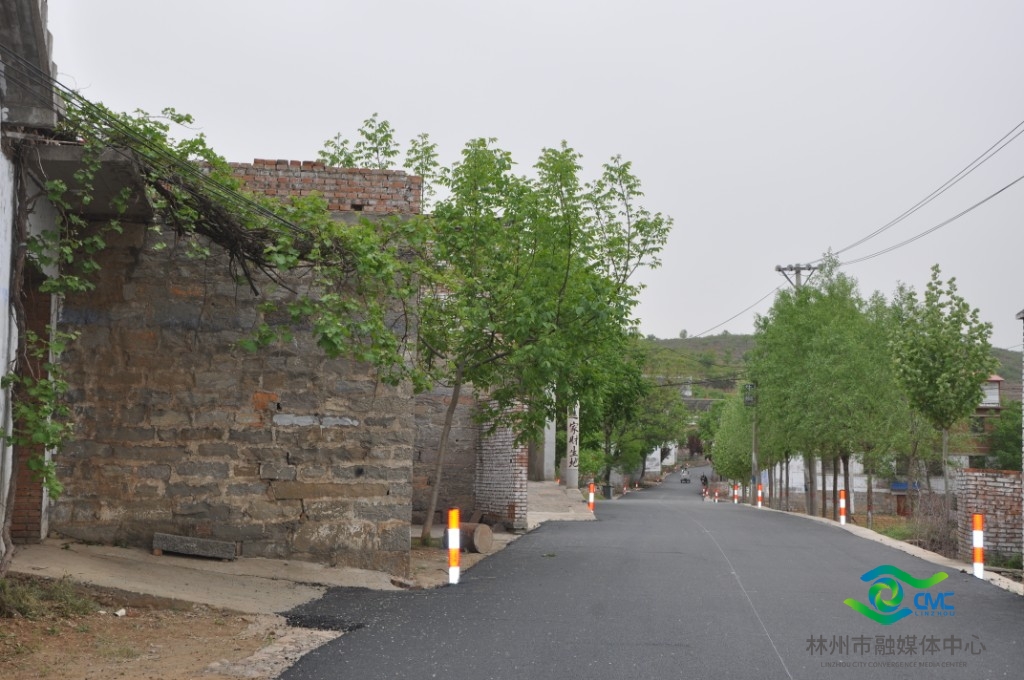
[{"x": 684, "y": 478}]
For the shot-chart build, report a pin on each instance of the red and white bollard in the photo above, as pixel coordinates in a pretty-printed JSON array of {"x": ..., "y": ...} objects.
[
  {"x": 760, "y": 496},
  {"x": 716, "y": 495},
  {"x": 454, "y": 547},
  {"x": 735, "y": 494},
  {"x": 590, "y": 500},
  {"x": 978, "y": 543},
  {"x": 842, "y": 506}
]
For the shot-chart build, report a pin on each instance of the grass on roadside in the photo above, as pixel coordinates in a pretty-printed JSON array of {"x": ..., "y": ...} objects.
[
  {"x": 1015, "y": 561},
  {"x": 39, "y": 598},
  {"x": 923, "y": 529},
  {"x": 894, "y": 527}
]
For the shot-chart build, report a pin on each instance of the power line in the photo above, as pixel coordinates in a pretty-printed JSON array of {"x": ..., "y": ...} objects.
[
  {"x": 1013, "y": 134},
  {"x": 935, "y": 228},
  {"x": 71, "y": 98},
  {"x": 1006, "y": 139},
  {"x": 741, "y": 313}
]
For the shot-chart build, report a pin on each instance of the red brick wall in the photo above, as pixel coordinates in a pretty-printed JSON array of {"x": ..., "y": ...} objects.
[
  {"x": 995, "y": 494},
  {"x": 27, "y": 519},
  {"x": 378, "y": 192}
]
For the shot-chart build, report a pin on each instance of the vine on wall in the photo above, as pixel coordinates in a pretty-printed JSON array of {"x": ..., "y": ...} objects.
[{"x": 361, "y": 277}]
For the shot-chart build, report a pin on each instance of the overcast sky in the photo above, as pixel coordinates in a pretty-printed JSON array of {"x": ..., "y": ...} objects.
[{"x": 770, "y": 131}]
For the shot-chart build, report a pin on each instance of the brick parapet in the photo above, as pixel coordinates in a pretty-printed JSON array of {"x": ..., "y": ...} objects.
[{"x": 374, "y": 192}]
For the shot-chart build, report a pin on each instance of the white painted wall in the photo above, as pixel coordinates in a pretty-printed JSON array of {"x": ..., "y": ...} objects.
[
  {"x": 858, "y": 480},
  {"x": 8, "y": 330},
  {"x": 653, "y": 464}
]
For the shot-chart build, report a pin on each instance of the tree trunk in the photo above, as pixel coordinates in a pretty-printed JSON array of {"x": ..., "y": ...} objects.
[
  {"x": 810, "y": 485},
  {"x": 474, "y": 537},
  {"x": 871, "y": 501},
  {"x": 824, "y": 490},
  {"x": 946, "y": 505},
  {"x": 846, "y": 485},
  {"x": 608, "y": 456},
  {"x": 786, "y": 487},
  {"x": 779, "y": 489},
  {"x": 442, "y": 450},
  {"x": 755, "y": 464},
  {"x": 912, "y": 477},
  {"x": 835, "y": 488},
  {"x": 5, "y": 530}
]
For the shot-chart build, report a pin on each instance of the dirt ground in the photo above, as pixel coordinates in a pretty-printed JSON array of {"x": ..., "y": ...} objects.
[{"x": 140, "y": 638}]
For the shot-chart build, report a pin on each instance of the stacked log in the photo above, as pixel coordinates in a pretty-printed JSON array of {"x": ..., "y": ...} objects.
[{"x": 474, "y": 537}]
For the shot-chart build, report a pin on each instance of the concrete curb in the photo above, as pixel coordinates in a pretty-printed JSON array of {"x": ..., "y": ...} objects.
[{"x": 935, "y": 558}]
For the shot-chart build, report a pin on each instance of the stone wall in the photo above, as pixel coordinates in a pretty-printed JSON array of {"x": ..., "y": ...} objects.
[
  {"x": 500, "y": 480},
  {"x": 995, "y": 494},
  {"x": 460, "y": 462},
  {"x": 285, "y": 452}
]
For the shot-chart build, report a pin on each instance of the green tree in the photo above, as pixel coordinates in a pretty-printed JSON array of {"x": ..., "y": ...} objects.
[
  {"x": 734, "y": 440},
  {"x": 536, "y": 283},
  {"x": 943, "y": 355},
  {"x": 778, "y": 366},
  {"x": 851, "y": 385},
  {"x": 660, "y": 423},
  {"x": 376, "y": 147},
  {"x": 825, "y": 381},
  {"x": 421, "y": 160},
  {"x": 708, "y": 423},
  {"x": 889, "y": 419},
  {"x": 616, "y": 403},
  {"x": 1005, "y": 439}
]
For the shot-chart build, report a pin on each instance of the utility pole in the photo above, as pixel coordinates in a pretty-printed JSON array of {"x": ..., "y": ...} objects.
[
  {"x": 797, "y": 270},
  {"x": 810, "y": 483}
]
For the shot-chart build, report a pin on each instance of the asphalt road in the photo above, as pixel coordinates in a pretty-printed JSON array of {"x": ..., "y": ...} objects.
[{"x": 664, "y": 585}]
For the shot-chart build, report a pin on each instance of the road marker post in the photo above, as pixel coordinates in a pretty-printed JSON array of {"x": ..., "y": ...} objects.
[
  {"x": 842, "y": 506},
  {"x": 760, "y": 495},
  {"x": 735, "y": 494},
  {"x": 590, "y": 501},
  {"x": 716, "y": 495},
  {"x": 454, "y": 546},
  {"x": 978, "y": 542}
]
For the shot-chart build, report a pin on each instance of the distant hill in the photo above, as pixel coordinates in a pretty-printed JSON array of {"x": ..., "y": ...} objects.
[
  {"x": 715, "y": 364},
  {"x": 712, "y": 356},
  {"x": 725, "y": 345},
  {"x": 1010, "y": 371}
]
